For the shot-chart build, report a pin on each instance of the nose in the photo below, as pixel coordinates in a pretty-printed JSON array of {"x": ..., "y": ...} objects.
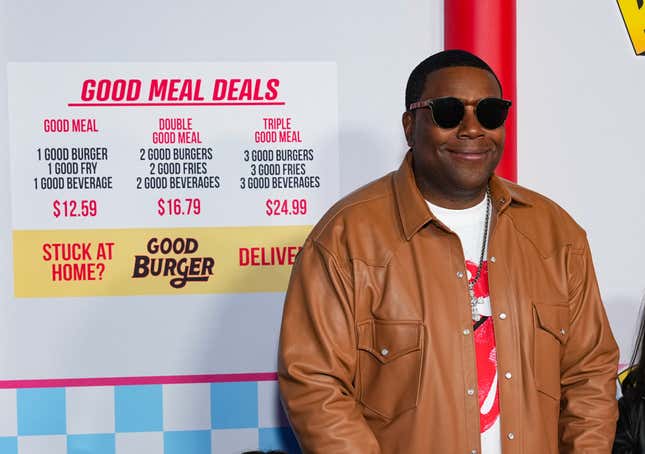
[{"x": 470, "y": 128}]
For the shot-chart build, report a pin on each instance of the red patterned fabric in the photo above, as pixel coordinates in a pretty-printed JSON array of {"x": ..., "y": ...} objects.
[{"x": 486, "y": 354}]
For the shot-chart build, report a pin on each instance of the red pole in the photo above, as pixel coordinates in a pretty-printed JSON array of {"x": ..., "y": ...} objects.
[{"x": 487, "y": 28}]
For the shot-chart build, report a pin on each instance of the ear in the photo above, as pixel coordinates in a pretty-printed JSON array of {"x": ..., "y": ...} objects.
[{"x": 408, "y": 127}]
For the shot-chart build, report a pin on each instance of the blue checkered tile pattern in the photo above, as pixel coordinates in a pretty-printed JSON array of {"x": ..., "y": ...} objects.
[{"x": 200, "y": 418}]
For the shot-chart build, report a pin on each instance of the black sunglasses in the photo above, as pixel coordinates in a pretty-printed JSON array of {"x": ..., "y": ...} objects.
[{"x": 449, "y": 112}]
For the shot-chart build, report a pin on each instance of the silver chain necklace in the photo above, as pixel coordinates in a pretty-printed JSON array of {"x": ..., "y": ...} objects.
[{"x": 474, "y": 301}]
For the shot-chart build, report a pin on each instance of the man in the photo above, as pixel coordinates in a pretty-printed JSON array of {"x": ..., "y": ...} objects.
[{"x": 442, "y": 309}]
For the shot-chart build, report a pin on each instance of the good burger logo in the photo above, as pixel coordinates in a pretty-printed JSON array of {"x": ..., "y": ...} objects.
[{"x": 173, "y": 258}]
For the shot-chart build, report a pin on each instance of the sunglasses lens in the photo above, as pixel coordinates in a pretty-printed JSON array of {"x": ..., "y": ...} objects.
[
  {"x": 447, "y": 112},
  {"x": 492, "y": 112}
]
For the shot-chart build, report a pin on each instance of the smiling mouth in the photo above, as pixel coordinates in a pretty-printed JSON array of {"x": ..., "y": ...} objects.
[{"x": 471, "y": 155}]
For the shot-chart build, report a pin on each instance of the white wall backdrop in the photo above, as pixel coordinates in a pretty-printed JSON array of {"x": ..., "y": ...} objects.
[{"x": 581, "y": 135}]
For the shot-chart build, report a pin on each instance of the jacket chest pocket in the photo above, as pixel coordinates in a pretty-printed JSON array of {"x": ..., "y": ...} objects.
[
  {"x": 551, "y": 322},
  {"x": 389, "y": 365}
]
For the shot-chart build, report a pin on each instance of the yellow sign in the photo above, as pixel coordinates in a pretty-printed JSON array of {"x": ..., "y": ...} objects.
[
  {"x": 623, "y": 374},
  {"x": 633, "y": 12},
  {"x": 63, "y": 263}
]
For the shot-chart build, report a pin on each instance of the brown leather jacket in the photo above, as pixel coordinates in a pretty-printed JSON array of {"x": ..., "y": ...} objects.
[{"x": 376, "y": 349}]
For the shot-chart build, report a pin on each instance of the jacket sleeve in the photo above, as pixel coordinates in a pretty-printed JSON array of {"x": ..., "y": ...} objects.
[
  {"x": 588, "y": 407},
  {"x": 317, "y": 357},
  {"x": 625, "y": 442}
]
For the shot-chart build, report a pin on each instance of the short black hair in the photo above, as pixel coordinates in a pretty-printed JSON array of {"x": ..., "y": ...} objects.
[{"x": 444, "y": 59}]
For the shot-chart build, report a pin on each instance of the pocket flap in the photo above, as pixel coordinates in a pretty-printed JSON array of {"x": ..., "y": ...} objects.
[
  {"x": 553, "y": 319},
  {"x": 388, "y": 340}
]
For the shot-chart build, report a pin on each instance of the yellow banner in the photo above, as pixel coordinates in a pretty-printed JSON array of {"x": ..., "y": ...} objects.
[
  {"x": 633, "y": 12},
  {"x": 62, "y": 263}
]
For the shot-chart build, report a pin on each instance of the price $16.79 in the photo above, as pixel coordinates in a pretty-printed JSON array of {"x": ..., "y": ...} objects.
[{"x": 179, "y": 207}]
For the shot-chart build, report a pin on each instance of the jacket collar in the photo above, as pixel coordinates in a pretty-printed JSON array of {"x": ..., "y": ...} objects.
[{"x": 414, "y": 211}]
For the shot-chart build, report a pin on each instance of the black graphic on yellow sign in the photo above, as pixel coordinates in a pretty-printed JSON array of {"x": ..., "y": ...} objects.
[
  {"x": 633, "y": 12},
  {"x": 180, "y": 270}
]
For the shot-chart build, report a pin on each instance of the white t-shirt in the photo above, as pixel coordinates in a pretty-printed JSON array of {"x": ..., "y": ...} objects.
[{"x": 468, "y": 224}]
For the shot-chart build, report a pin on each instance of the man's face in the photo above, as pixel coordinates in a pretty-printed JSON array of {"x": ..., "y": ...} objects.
[{"x": 454, "y": 163}]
